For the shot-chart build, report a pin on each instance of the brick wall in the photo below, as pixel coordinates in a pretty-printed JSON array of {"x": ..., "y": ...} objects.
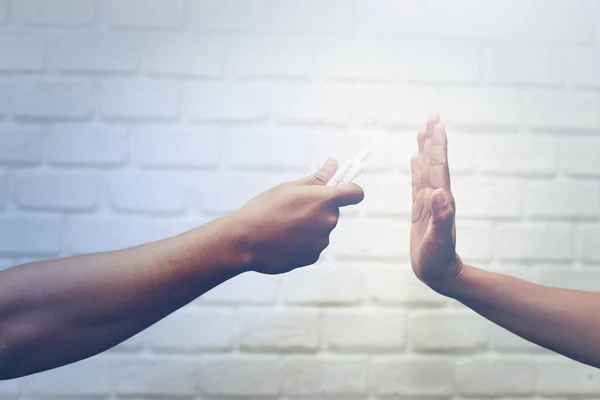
[{"x": 127, "y": 121}]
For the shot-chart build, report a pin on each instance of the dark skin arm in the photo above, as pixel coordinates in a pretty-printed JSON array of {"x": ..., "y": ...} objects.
[
  {"x": 565, "y": 321},
  {"x": 60, "y": 311}
]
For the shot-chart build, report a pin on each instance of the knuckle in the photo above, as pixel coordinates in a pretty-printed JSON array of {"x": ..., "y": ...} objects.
[
  {"x": 318, "y": 178},
  {"x": 332, "y": 220}
]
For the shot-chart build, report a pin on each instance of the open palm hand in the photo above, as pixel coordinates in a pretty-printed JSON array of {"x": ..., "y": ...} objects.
[{"x": 433, "y": 232}]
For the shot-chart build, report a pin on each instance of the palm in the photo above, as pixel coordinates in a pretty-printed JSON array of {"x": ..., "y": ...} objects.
[{"x": 432, "y": 237}]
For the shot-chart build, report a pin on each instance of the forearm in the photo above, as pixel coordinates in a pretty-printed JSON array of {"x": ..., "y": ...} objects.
[
  {"x": 59, "y": 311},
  {"x": 565, "y": 321}
]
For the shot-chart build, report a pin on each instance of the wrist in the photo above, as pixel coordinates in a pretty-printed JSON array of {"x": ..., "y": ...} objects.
[
  {"x": 452, "y": 285},
  {"x": 223, "y": 244},
  {"x": 237, "y": 237},
  {"x": 463, "y": 285}
]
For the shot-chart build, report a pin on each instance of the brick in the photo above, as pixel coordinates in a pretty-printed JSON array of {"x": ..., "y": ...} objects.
[
  {"x": 156, "y": 100},
  {"x": 87, "y": 145},
  {"x": 4, "y": 10},
  {"x": 488, "y": 198},
  {"x": 372, "y": 60},
  {"x": 524, "y": 65},
  {"x": 535, "y": 242},
  {"x": 84, "y": 378},
  {"x": 22, "y": 52},
  {"x": 561, "y": 110},
  {"x": 403, "y": 146},
  {"x": 461, "y": 147},
  {"x": 227, "y": 15},
  {"x": 392, "y": 285},
  {"x": 556, "y": 25},
  {"x": 52, "y": 191},
  {"x": 147, "y": 193},
  {"x": 480, "y": 108},
  {"x": 383, "y": 60},
  {"x": 446, "y": 331},
  {"x": 516, "y": 155},
  {"x": 355, "y": 239},
  {"x": 574, "y": 279},
  {"x": 183, "y": 55},
  {"x": 55, "y": 13},
  {"x": 442, "y": 64},
  {"x": 322, "y": 16},
  {"x": 572, "y": 199},
  {"x": 155, "y": 14},
  {"x": 187, "y": 331},
  {"x": 412, "y": 376},
  {"x": 269, "y": 56},
  {"x": 325, "y": 376},
  {"x": 27, "y": 235},
  {"x": 288, "y": 331},
  {"x": 578, "y": 156},
  {"x": 13, "y": 387},
  {"x": 356, "y": 331},
  {"x": 53, "y": 100},
  {"x": 231, "y": 191},
  {"x": 20, "y": 146},
  {"x": 246, "y": 149},
  {"x": 241, "y": 376},
  {"x": 307, "y": 103},
  {"x": 565, "y": 377},
  {"x": 323, "y": 286},
  {"x": 505, "y": 341},
  {"x": 465, "y": 19},
  {"x": 583, "y": 67},
  {"x": 155, "y": 377},
  {"x": 589, "y": 5},
  {"x": 395, "y": 105},
  {"x": 97, "y": 53},
  {"x": 98, "y": 234},
  {"x": 387, "y": 196},
  {"x": 5, "y": 99},
  {"x": 218, "y": 101},
  {"x": 588, "y": 237},
  {"x": 407, "y": 17},
  {"x": 492, "y": 376},
  {"x": 248, "y": 288},
  {"x": 474, "y": 241},
  {"x": 177, "y": 147}
]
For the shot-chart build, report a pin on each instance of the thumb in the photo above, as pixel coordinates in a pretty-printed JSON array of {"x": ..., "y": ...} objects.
[
  {"x": 323, "y": 175},
  {"x": 442, "y": 215}
]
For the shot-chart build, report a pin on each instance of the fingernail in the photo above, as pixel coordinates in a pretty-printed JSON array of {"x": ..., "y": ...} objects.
[
  {"x": 330, "y": 163},
  {"x": 440, "y": 201}
]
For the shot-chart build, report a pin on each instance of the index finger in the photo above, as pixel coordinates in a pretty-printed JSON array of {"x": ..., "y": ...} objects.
[
  {"x": 439, "y": 173},
  {"x": 347, "y": 194}
]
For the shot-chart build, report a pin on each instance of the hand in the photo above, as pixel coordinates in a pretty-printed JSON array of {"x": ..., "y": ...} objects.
[
  {"x": 288, "y": 226},
  {"x": 433, "y": 232}
]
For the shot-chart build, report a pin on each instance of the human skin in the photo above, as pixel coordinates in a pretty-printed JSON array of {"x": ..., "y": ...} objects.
[
  {"x": 565, "y": 321},
  {"x": 60, "y": 311}
]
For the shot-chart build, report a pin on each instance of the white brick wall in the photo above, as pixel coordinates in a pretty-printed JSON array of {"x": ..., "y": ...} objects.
[{"x": 126, "y": 121}]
